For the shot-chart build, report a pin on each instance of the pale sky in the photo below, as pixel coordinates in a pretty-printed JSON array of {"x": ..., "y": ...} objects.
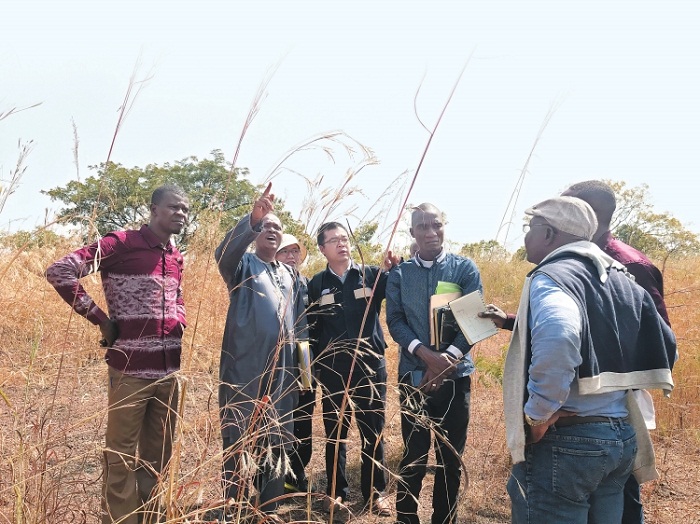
[{"x": 623, "y": 76}]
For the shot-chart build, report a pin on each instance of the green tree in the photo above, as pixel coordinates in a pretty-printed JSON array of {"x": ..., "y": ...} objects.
[
  {"x": 118, "y": 197},
  {"x": 660, "y": 235},
  {"x": 368, "y": 251},
  {"x": 656, "y": 234},
  {"x": 39, "y": 238},
  {"x": 487, "y": 250},
  {"x": 520, "y": 254},
  {"x": 635, "y": 222}
]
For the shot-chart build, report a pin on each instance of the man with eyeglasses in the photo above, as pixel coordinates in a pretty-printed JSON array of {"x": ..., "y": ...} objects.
[
  {"x": 293, "y": 253},
  {"x": 348, "y": 344},
  {"x": 585, "y": 334},
  {"x": 258, "y": 369},
  {"x": 601, "y": 197}
]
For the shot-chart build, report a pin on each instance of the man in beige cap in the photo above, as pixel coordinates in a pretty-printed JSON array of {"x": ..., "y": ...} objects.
[
  {"x": 584, "y": 335},
  {"x": 293, "y": 253}
]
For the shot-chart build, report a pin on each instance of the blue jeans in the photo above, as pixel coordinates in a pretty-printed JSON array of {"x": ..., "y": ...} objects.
[{"x": 574, "y": 475}]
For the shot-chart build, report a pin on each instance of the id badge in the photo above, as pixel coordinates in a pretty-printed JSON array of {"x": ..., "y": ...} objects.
[
  {"x": 327, "y": 300},
  {"x": 363, "y": 292}
]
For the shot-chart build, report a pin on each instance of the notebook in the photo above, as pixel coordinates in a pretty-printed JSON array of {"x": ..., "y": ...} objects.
[{"x": 465, "y": 310}]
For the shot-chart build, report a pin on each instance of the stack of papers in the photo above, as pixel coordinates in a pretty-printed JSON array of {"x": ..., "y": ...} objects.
[
  {"x": 449, "y": 311},
  {"x": 466, "y": 311}
]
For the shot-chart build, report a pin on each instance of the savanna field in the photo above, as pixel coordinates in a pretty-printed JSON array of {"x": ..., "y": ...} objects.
[{"x": 53, "y": 404}]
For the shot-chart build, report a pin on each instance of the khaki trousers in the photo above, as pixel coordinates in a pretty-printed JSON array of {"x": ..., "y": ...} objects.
[{"x": 141, "y": 414}]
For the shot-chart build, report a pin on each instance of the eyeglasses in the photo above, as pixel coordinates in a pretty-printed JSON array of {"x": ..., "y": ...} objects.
[
  {"x": 527, "y": 227},
  {"x": 287, "y": 252},
  {"x": 337, "y": 240}
]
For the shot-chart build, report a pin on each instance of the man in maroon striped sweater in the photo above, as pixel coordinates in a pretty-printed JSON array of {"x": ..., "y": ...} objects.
[{"x": 141, "y": 274}]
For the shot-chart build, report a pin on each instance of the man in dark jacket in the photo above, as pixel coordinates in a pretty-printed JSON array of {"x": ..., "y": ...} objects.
[{"x": 348, "y": 344}]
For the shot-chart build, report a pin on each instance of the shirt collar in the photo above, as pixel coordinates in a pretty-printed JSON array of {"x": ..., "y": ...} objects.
[
  {"x": 351, "y": 264},
  {"x": 152, "y": 240},
  {"x": 429, "y": 263}
]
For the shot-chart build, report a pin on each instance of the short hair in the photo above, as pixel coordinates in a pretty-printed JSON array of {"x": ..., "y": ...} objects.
[
  {"x": 599, "y": 195},
  {"x": 328, "y": 226},
  {"x": 160, "y": 192},
  {"x": 427, "y": 207}
]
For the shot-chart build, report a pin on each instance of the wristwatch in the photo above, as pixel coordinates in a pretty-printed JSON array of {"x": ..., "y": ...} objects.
[{"x": 532, "y": 422}]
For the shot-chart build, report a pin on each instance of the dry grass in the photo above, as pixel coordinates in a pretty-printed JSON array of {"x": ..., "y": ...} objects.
[{"x": 53, "y": 399}]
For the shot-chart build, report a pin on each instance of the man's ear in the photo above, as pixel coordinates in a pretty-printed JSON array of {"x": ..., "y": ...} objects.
[
  {"x": 153, "y": 208},
  {"x": 550, "y": 235},
  {"x": 410, "y": 230}
]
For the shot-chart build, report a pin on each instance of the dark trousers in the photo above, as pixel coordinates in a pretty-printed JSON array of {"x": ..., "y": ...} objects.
[
  {"x": 633, "y": 512},
  {"x": 269, "y": 484},
  {"x": 445, "y": 413},
  {"x": 301, "y": 453},
  {"x": 366, "y": 397}
]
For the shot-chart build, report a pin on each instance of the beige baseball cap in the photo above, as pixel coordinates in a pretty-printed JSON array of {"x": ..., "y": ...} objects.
[
  {"x": 568, "y": 214},
  {"x": 290, "y": 240}
]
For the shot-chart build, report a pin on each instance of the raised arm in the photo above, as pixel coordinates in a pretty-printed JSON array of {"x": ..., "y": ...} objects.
[
  {"x": 234, "y": 245},
  {"x": 232, "y": 248}
]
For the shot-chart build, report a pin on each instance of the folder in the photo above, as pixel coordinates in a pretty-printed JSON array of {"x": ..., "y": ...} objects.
[
  {"x": 437, "y": 305},
  {"x": 304, "y": 356}
]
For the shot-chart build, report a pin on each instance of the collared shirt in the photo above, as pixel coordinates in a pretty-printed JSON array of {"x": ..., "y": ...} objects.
[
  {"x": 429, "y": 263},
  {"x": 645, "y": 273},
  {"x": 408, "y": 293},
  {"x": 142, "y": 281},
  {"x": 554, "y": 320},
  {"x": 452, "y": 350},
  {"x": 345, "y": 273}
]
